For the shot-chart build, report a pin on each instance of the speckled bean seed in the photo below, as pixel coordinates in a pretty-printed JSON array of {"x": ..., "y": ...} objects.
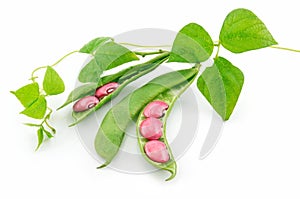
[
  {"x": 85, "y": 103},
  {"x": 151, "y": 128},
  {"x": 106, "y": 89},
  {"x": 157, "y": 151},
  {"x": 155, "y": 109}
]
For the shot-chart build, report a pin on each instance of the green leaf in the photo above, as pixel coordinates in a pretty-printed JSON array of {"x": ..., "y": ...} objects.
[
  {"x": 48, "y": 134},
  {"x": 27, "y": 94},
  {"x": 32, "y": 125},
  {"x": 108, "y": 56},
  {"x": 111, "y": 55},
  {"x": 191, "y": 45},
  {"x": 91, "y": 72},
  {"x": 243, "y": 31},
  {"x": 79, "y": 92},
  {"x": 53, "y": 84},
  {"x": 37, "y": 110},
  {"x": 94, "y": 44},
  {"x": 221, "y": 85},
  {"x": 40, "y": 135}
]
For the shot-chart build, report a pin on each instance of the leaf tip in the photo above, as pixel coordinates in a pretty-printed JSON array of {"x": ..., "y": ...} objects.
[
  {"x": 37, "y": 148},
  {"x": 103, "y": 165},
  {"x": 73, "y": 124},
  {"x": 225, "y": 118}
]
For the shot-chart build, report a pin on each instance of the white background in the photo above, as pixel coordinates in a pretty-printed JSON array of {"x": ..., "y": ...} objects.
[{"x": 257, "y": 156}]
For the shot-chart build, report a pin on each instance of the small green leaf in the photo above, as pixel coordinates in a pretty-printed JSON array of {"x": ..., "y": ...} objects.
[
  {"x": 27, "y": 94},
  {"x": 40, "y": 135},
  {"x": 37, "y": 110},
  {"x": 53, "y": 84},
  {"x": 191, "y": 45},
  {"x": 108, "y": 56},
  {"x": 48, "y": 134},
  {"x": 221, "y": 85},
  {"x": 243, "y": 31},
  {"x": 79, "y": 92},
  {"x": 31, "y": 124},
  {"x": 94, "y": 44}
]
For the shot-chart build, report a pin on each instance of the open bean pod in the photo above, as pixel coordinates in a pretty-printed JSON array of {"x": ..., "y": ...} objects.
[
  {"x": 153, "y": 145},
  {"x": 123, "y": 78},
  {"x": 112, "y": 129}
]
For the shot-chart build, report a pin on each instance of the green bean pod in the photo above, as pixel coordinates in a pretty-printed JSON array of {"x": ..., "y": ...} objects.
[
  {"x": 169, "y": 97},
  {"x": 113, "y": 127},
  {"x": 123, "y": 77}
]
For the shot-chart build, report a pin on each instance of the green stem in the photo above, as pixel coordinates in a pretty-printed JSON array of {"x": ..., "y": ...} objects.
[
  {"x": 50, "y": 112},
  {"x": 144, "y": 46},
  {"x": 50, "y": 127},
  {"x": 35, "y": 70},
  {"x": 47, "y": 117},
  {"x": 283, "y": 48},
  {"x": 143, "y": 54},
  {"x": 218, "y": 50},
  {"x": 57, "y": 62},
  {"x": 198, "y": 66},
  {"x": 75, "y": 51}
]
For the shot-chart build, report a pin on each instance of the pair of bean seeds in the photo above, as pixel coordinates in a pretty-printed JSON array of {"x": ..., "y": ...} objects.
[
  {"x": 89, "y": 102},
  {"x": 151, "y": 128}
]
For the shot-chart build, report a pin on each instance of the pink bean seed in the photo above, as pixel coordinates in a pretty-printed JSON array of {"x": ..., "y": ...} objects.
[
  {"x": 106, "y": 89},
  {"x": 155, "y": 109},
  {"x": 151, "y": 128},
  {"x": 85, "y": 103},
  {"x": 157, "y": 151}
]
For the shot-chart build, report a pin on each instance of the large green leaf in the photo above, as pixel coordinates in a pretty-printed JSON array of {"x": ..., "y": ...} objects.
[
  {"x": 38, "y": 109},
  {"x": 94, "y": 44},
  {"x": 91, "y": 72},
  {"x": 53, "y": 84},
  {"x": 242, "y": 31},
  {"x": 221, "y": 85},
  {"x": 27, "y": 94},
  {"x": 111, "y": 55},
  {"x": 108, "y": 56},
  {"x": 191, "y": 45}
]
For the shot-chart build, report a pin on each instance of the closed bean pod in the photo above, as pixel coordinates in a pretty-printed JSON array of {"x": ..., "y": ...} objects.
[{"x": 112, "y": 129}]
